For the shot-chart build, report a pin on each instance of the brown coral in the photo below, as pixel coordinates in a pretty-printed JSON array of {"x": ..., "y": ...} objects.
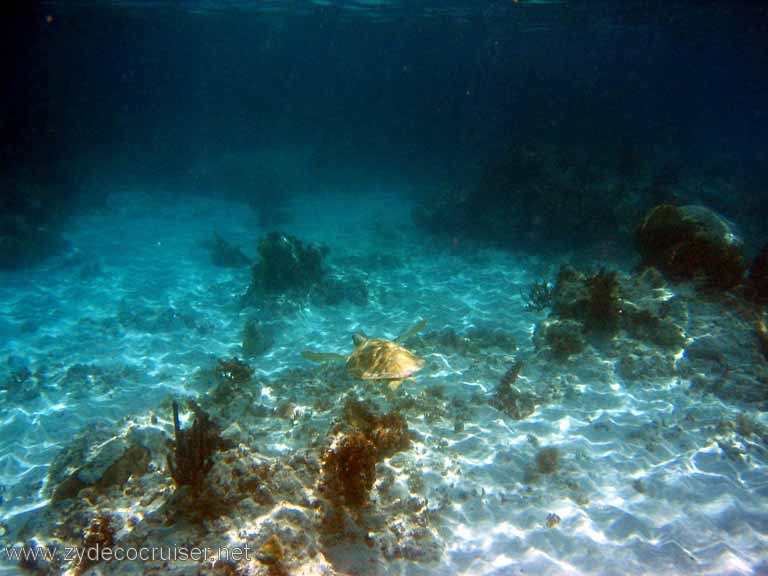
[
  {"x": 349, "y": 470},
  {"x": 349, "y": 465},
  {"x": 388, "y": 432}
]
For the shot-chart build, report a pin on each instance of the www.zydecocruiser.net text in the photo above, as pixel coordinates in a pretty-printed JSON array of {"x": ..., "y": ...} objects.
[{"x": 78, "y": 555}]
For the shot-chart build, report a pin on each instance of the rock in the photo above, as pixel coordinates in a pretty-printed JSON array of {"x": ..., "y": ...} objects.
[
  {"x": 646, "y": 326},
  {"x": 97, "y": 463},
  {"x": 757, "y": 280},
  {"x": 641, "y": 367},
  {"x": 691, "y": 242}
]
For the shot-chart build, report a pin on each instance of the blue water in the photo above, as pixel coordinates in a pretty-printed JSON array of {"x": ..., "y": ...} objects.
[{"x": 446, "y": 157}]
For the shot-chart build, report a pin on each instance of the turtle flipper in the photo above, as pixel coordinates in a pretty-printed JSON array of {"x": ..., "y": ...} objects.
[
  {"x": 394, "y": 384},
  {"x": 418, "y": 327},
  {"x": 322, "y": 356}
]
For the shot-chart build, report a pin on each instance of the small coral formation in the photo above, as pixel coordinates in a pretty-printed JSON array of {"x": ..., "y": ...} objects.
[
  {"x": 691, "y": 243},
  {"x": 548, "y": 460},
  {"x": 509, "y": 399},
  {"x": 349, "y": 464},
  {"x": 99, "y": 535},
  {"x": 233, "y": 370},
  {"x": 194, "y": 448},
  {"x": 757, "y": 279},
  {"x": 286, "y": 263},
  {"x": 595, "y": 308},
  {"x": 224, "y": 254},
  {"x": 592, "y": 300},
  {"x": 388, "y": 432},
  {"x": 272, "y": 554},
  {"x": 553, "y": 520},
  {"x": 256, "y": 339},
  {"x": 349, "y": 470},
  {"x": 289, "y": 267}
]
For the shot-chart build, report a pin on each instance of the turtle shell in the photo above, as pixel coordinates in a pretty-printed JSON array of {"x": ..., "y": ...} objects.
[{"x": 377, "y": 359}]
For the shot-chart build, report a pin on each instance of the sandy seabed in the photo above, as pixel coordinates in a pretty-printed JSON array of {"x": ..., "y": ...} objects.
[{"x": 660, "y": 460}]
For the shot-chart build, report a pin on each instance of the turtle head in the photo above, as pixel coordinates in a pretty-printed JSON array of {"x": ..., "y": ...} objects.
[{"x": 359, "y": 338}]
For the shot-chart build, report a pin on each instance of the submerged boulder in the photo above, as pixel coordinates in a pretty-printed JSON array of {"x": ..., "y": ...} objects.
[
  {"x": 691, "y": 243},
  {"x": 757, "y": 279}
]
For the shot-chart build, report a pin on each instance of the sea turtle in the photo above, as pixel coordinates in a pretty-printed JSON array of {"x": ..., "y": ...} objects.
[{"x": 377, "y": 358}]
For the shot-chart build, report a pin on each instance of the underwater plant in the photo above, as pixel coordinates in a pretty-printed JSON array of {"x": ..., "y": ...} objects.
[
  {"x": 539, "y": 297},
  {"x": 192, "y": 456}
]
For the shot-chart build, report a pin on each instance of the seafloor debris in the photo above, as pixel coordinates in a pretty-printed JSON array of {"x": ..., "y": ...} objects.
[
  {"x": 478, "y": 341},
  {"x": 337, "y": 289}
]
